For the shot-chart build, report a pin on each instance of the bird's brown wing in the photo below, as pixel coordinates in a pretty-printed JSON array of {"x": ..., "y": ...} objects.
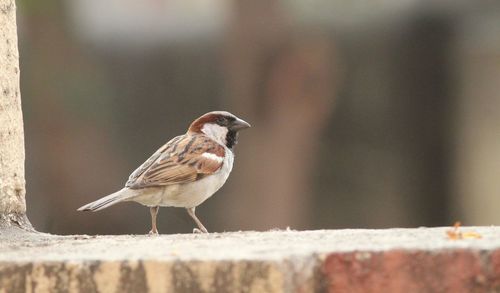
[{"x": 184, "y": 159}]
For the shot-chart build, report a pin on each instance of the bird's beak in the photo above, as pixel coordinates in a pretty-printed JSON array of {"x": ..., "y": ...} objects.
[{"x": 240, "y": 124}]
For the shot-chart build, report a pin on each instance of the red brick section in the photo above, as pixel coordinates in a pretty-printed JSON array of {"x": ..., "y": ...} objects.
[{"x": 457, "y": 270}]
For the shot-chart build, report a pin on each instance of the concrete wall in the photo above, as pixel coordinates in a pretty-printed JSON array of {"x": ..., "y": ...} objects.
[{"x": 394, "y": 260}]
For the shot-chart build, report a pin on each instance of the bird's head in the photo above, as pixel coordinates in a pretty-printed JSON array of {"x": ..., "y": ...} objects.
[{"x": 220, "y": 126}]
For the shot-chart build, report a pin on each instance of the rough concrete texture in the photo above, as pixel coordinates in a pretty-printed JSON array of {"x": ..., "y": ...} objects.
[
  {"x": 393, "y": 260},
  {"x": 12, "y": 185}
]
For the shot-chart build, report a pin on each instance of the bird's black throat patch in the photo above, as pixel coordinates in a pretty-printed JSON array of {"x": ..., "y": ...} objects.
[{"x": 231, "y": 138}]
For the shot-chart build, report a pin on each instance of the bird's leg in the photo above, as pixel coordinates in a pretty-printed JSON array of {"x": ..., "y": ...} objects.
[
  {"x": 154, "y": 212},
  {"x": 202, "y": 228}
]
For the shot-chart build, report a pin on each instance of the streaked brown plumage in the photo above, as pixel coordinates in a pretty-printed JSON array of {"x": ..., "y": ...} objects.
[
  {"x": 178, "y": 162},
  {"x": 185, "y": 171}
]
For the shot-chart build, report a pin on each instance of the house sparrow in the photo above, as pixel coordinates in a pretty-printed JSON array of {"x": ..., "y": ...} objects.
[{"x": 185, "y": 171}]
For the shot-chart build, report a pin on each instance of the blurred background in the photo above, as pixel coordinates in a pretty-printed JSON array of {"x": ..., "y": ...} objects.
[{"x": 365, "y": 114}]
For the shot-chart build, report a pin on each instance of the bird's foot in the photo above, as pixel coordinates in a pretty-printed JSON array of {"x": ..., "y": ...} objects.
[
  {"x": 153, "y": 233},
  {"x": 198, "y": 231}
]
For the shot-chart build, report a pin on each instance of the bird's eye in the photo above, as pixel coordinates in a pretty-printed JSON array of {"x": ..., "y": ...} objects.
[{"x": 221, "y": 120}]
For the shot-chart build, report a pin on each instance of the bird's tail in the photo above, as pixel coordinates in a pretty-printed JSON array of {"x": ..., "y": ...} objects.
[{"x": 109, "y": 200}]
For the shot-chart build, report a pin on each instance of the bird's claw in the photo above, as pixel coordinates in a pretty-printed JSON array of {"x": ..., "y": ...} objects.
[{"x": 198, "y": 231}]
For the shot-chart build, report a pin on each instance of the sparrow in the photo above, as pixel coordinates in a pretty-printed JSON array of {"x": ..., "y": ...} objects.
[{"x": 185, "y": 171}]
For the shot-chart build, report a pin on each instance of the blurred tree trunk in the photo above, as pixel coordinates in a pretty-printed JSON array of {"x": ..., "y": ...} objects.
[
  {"x": 477, "y": 122},
  {"x": 282, "y": 81},
  {"x": 12, "y": 183}
]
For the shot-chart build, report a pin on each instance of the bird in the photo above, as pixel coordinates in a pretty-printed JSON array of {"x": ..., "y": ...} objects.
[{"x": 185, "y": 171}]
